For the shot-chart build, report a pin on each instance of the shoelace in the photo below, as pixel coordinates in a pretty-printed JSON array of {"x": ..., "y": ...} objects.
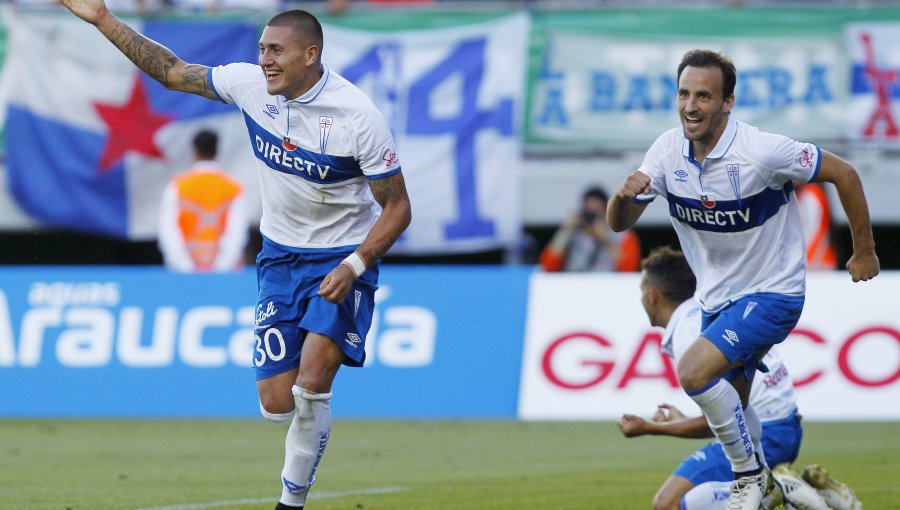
[
  {"x": 739, "y": 491},
  {"x": 738, "y": 494}
]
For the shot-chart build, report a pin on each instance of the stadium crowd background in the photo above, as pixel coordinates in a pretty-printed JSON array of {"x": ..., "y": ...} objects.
[{"x": 544, "y": 200}]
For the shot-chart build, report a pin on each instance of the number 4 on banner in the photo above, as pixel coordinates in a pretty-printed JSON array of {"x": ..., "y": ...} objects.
[{"x": 466, "y": 60}]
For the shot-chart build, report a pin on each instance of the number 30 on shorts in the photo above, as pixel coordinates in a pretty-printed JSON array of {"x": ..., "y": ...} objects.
[{"x": 264, "y": 349}]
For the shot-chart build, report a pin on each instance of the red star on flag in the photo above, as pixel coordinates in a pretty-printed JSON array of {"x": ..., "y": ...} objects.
[{"x": 131, "y": 127}]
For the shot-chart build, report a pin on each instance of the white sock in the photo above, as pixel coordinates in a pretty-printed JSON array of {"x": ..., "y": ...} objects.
[
  {"x": 304, "y": 445},
  {"x": 706, "y": 496},
  {"x": 722, "y": 407},
  {"x": 754, "y": 427}
]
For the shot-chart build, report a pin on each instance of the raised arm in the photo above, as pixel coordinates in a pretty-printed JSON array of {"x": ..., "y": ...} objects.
[
  {"x": 159, "y": 62},
  {"x": 863, "y": 264},
  {"x": 390, "y": 192},
  {"x": 621, "y": 212}
]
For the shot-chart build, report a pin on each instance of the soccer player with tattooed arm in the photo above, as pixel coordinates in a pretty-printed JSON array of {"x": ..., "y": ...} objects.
[
  {"x": 732, "y": 204},
  {"x": 334, "y": 201}
]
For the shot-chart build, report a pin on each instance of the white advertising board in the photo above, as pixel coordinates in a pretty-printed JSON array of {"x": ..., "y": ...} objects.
[{"x": 590, "y": 353}]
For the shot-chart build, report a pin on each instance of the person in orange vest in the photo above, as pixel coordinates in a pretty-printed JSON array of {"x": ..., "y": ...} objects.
[
  {"x": 203, "y": 215},
  {"x": 816, "y": 219},
  {"x": 584, "y": 242}
]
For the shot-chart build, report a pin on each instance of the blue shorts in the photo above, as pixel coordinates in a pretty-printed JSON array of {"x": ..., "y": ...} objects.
[
  {"x": 287, "y": 307},
  {"x": 746, "y": 329},
  {"x": 780, "y": 440}
]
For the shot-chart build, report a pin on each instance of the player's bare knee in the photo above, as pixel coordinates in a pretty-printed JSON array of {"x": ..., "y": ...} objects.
[
  {"x": 314, "y": 383},
  {"x": 689, "y": 378},
  {"x": 275, "y": 405},
  {"x": 275, "y": 417}
]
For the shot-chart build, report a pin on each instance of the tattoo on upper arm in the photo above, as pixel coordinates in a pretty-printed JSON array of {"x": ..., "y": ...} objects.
[
  {"x": 158, "y": 62},
  {"x": 388, "y": 189},
  {"x": 196, "y": 81}
]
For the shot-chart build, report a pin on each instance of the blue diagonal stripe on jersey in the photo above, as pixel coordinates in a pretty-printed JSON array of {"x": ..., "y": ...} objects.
[
  {"x": 730, "y": 215},
  {"x": 310, "y": 165}
]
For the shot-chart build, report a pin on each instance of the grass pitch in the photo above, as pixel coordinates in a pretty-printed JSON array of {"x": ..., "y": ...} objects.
[{"x": 386, "y": 465}]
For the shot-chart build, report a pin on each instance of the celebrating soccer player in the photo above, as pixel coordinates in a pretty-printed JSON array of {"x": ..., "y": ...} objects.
[
  {"x": 319, "y": 143},
  {"x": 732, "y": 204}
]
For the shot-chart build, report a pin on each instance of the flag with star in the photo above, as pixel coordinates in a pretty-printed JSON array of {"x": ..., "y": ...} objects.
[{"x": 92, "y": 140}]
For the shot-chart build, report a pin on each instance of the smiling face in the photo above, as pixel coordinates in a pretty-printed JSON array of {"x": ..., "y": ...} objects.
[
  {"x": 703, "y": 110},
  {"x": 291, "y": 66}
]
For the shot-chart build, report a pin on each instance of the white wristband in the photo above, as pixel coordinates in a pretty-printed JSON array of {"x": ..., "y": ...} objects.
[{"x": 356, "y": 264}]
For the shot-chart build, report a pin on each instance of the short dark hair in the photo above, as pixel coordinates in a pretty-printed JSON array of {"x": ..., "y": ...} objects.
[
  {"x": 305, "y": 25},
  {"x": 206, "y": 144},
  {"x": 709, "y": 58},
  {"x": 595, "y": 192},
  {"x": 668, "y": 271}
]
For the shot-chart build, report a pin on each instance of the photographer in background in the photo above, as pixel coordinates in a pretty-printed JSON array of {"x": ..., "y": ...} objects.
[{"x": 584, "y": 242}]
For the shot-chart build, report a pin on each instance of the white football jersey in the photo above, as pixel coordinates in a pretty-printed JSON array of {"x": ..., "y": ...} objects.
[
  {"x": 772, "y": 394},
  {"x": 314, "y": 154},
  {"x": 735, "y": 214}
]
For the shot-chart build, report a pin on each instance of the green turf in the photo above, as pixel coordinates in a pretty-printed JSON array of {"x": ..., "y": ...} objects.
[{"x": 459, "y": 465}]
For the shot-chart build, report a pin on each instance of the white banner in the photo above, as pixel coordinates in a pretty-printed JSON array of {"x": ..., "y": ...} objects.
[
  {"x": 454, "y": 98},
  {"x": 613, "y": 91},
  {"x": 590, "y": 353},
  {"x": 874, "y": 61}
]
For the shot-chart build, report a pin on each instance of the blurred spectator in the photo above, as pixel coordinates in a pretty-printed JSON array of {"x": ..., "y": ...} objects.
[
  {"x": 341, "y": 6},
  {"x": 218, "y": 5},
  {"x": 816, "y": 218},
  {"x": 586, "y": 243},
  {"x": 203, "y": 218}
]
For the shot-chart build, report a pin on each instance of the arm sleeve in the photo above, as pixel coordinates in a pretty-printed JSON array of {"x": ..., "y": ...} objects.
[
  {"x": 231, "y": 82},
  {"x": 652, "y": 166},
  {"x": 376, "y": 150},
  {"x": 234, "y": 238},
  {"x": 171, "y": 242},
  {"x": 784, "y": 159}
]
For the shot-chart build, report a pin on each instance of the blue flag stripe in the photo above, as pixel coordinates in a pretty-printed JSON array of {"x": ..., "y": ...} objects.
[{"x": 54, "y": 175}]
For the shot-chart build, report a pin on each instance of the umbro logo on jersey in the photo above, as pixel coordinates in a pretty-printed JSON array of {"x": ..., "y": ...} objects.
[
  {"x": 271, "y": 110},
  {"x": 353, "y": 339},
  {"x": 680, "y": 176},
  {"x": 730, "y": 337}
]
